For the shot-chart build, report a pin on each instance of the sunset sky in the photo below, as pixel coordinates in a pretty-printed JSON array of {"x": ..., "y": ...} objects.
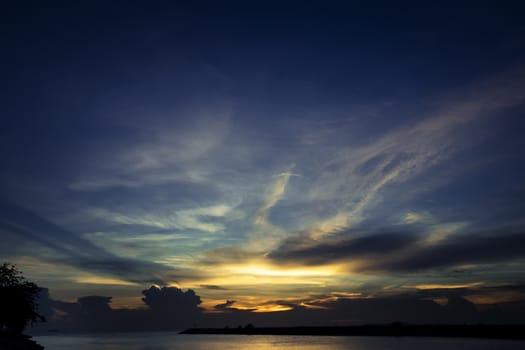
[{"x": 271, "y": 153}]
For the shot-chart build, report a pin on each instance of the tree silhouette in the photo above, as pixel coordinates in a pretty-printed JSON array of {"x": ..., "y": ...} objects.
[{"x": 17, "y": 300}]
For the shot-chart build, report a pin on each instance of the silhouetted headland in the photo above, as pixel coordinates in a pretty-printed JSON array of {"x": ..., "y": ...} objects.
[{"x": 391, "y": 330}]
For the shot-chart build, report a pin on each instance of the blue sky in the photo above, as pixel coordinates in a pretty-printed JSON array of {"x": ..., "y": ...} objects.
[{"x": 263, "y": 151}]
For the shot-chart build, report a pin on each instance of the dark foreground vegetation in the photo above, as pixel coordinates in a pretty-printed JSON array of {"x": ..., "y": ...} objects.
[
  {"x": 18, "y": 306},
  {"x": 18, "y": 342},
  {"x": 392, "y": 330}
]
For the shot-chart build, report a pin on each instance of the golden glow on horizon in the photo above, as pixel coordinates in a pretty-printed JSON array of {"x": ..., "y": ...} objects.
[
  {"x": 494, "y": 299},
  {"x": 273, "y": 308},
  {"x": 134, "y": 302},
  {"x": 251, "y": 281},
  {"x": 445, "y": 286},
  {"x": 266, "y": 270},
  {"x": 247, "y": 304},
  {"x": 313, "y": 306},
  {"x": 255, "y": 273},
  {"x": 333, "y": 297},
  {"x": 267, "y": 303},
  {"x": 103, "y": 280}
]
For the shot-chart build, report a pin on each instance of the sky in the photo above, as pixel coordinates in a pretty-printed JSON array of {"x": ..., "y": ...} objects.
[{"x": 266, "y": 155}]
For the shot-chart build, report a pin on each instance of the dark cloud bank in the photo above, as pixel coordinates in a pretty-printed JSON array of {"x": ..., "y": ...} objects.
[
  {"x": 166, "y": 308},
  {"x": 170, "y": 308},
  {"x": 403, "y": 251}
]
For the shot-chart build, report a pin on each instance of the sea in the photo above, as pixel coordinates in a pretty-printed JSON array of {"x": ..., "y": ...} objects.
[{"x": 172, "y": 341}]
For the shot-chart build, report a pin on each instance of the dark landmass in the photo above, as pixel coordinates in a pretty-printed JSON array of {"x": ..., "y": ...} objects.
[
  {"x": 460, "y": 331},
  {"x": 18, "y": 342}
]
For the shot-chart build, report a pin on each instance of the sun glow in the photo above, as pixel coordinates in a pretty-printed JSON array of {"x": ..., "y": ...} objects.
[
  {"x": 265, "y": 270},
  {"x": 273, "y": 308},
  {"x": 258, "y": 282},
  {"x": 103, "y": 280},
  {"x": 445, "y": 286}
]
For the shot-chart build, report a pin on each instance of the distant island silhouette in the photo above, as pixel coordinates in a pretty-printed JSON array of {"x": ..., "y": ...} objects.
[{"x": 392, "y": 330}]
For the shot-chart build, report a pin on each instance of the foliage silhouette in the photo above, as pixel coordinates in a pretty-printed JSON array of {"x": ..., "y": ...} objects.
[{"x": 17, "y": 300}]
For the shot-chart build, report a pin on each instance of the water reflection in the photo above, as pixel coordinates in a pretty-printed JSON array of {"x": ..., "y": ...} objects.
[{"x": 173, "y": 341}]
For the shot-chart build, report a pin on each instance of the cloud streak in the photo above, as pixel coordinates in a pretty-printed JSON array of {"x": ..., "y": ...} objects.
[
  {"x": 67, "y": 247},
  {"x": 265, "y": 235},
  {"x": 404, "y": 251}
]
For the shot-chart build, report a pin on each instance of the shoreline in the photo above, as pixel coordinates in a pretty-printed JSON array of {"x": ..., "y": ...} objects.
[{"x": 514, "y": 332}]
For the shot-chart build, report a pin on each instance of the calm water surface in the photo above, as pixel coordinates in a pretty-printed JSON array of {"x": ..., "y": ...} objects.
[{"x": 170, "y": 341}]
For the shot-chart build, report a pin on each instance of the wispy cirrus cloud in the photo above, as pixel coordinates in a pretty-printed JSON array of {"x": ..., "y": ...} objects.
[
  {"x": 54, "y": 244},
  {"x": 348, "y": 186},
  {"x": 354, "y": 177},
  {"x": 194, "y": 218},
  {"x": 164, "y": 151},
  {"x": 264, "y": 234},
  {"x": 203, "y": 203}
]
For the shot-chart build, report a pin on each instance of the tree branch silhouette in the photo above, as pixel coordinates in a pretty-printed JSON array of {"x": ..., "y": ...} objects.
[{"x": 18, "y": 300}]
